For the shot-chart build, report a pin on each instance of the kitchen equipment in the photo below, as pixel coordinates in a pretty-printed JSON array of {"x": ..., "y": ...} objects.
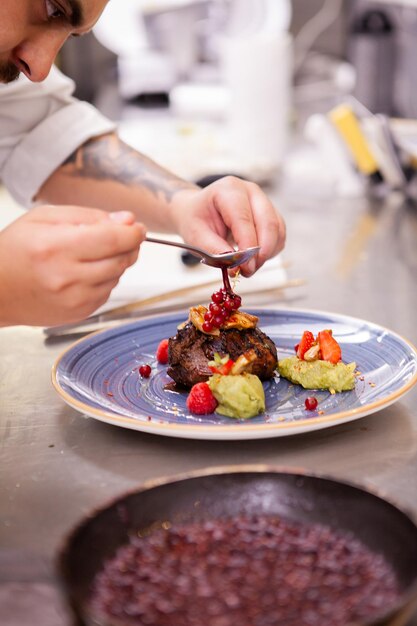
[
  {"x": 378, "y": 131},
  {"x": 346, "y": 122},
  {"x": 335, "y": 156},
  {"x": 156, "y": 43},
  {"x": 372, "y": 51},
  {"x": 251, "y": 490},
  {"x": 256, "y": 62},
  {"x": 224, "y": 259}
]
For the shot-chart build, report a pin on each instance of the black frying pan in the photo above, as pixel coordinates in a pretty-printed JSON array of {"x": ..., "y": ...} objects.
[{"x": 229, "y": 491}]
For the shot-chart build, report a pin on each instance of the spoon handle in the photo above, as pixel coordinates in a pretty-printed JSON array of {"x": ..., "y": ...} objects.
[{"x": 177, "y": 245}]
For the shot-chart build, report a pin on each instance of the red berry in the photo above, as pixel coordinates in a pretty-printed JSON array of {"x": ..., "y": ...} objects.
[
  {"x": 215, "y": 308},
  {"x": 217, "y": 297},
  {"x": 162, "y": 352},
  {"x": 207, "y": 327},
  {"x": 229, "y": 304},
  {"x": 200, "y": 400},
  {"x": 297, "y": 345},
  {"x": 217, "y": 321},
  {"x": 311, "y": 403},
  {"x": 145, "y": 370},
  {"x": 237, "y": 301}
]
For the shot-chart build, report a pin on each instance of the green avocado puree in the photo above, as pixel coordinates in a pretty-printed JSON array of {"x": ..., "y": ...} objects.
[
  {"x": 240, "y": 396},
  {"x": 318, "y": 374}
]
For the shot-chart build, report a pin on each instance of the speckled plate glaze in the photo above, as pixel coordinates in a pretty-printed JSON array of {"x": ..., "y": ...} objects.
[{"x": 98, "y": 376}]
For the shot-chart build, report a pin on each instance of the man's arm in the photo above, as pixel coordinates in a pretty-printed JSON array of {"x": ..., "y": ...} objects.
[
  {"x": 106, "y": 173},
  {"x": 67, "y": 259}
]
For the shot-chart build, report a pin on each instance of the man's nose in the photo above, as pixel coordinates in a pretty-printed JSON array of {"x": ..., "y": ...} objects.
[{"x": 38, "y": 53}]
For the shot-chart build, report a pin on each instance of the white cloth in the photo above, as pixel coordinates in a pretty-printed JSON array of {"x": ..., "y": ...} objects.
[{"x": 41, "y": 124}]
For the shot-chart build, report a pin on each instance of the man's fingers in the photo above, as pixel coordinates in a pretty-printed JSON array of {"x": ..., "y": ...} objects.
[
  {"x": 270, "y": 226},
  {"x": 122, "y": 217},
  {"x": 92, "y": 242},
  {"x": 99, "y": 272},
  {"x": 102, "y": 241},
  {"x": 234, "y": 206},
  {"x": 68, "y": 214}
]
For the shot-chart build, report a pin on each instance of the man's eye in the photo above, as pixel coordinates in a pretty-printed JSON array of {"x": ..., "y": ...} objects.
[{"x": 53, "y": 11}]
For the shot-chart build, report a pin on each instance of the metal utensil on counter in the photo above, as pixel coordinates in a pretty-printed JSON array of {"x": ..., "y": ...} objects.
[{"x": 230, "y": 259}]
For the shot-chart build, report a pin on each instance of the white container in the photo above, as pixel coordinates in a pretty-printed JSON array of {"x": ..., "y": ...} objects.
[{"x": 257, "y": 70}]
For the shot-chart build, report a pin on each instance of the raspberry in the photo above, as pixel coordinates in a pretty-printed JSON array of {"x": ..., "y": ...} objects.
[
  {"x": 162, "y": 352},
  {"x": 200, "y": 399}
]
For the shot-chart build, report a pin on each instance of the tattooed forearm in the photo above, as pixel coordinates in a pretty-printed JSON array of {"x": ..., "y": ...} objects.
[{"x": 108, "y": 158}]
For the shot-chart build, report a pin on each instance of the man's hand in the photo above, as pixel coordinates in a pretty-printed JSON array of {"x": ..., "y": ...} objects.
[
  {"x": 230, "y": 212},
  {"x": 60, "y": 263}
]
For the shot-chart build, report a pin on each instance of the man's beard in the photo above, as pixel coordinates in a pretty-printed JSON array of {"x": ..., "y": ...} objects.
[{"x": 8, "y": 72}]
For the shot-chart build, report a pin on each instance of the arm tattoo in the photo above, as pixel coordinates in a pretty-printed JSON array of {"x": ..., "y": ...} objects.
[{"x": 109, "y": 158}]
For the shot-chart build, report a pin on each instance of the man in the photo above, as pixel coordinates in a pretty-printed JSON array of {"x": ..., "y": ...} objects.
[{"x": 94, "y": 196}]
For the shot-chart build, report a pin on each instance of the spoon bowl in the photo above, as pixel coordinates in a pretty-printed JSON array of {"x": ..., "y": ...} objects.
[{"x": 229, "y": 259}]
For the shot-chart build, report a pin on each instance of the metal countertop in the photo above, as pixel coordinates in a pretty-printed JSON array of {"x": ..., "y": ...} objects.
[{"x": 359, "y": 258}]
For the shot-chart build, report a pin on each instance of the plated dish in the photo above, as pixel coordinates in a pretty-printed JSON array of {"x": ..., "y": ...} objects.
[{"x": 99, "y": 377}]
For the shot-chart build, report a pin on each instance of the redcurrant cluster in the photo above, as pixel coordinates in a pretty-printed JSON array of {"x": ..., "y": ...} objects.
[{"x": 223, "y": 304}]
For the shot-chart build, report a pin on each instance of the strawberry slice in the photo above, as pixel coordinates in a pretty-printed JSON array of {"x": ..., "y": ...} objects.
[
  {"x": 329, "y": 348},
  {"x": 307, "y": 340},
  {"x": 223, "y": 369}
]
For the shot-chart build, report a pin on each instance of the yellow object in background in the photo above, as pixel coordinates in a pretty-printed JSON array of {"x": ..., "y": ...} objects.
[{"x": 348, "y": 126}]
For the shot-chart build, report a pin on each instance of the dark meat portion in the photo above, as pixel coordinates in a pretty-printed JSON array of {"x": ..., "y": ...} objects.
[{"x": 190, "y": 351}]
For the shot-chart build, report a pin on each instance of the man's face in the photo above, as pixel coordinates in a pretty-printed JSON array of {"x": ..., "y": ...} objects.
[{"x": 33, "y": 31}]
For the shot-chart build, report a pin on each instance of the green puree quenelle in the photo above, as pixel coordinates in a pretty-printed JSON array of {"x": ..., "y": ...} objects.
[
  {"x": 239, "y": 396},
  {"x": 318, "y": 374}
]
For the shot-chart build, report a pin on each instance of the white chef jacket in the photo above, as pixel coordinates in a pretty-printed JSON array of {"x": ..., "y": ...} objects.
[{"x": 41, "y": 124}]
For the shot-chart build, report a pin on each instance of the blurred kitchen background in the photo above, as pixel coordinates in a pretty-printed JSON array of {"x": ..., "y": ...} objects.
[
  {"x": 320, "y": 95},
  {"x": 209, "y": 87}
]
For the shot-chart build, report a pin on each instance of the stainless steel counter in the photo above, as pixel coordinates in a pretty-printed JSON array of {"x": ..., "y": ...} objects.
[{"x": 359, "y": 258}]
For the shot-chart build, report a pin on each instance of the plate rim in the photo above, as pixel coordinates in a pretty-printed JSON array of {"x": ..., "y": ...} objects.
[{"x": 141, "y": 423}]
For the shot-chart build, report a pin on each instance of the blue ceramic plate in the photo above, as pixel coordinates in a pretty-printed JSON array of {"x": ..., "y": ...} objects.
[{"x": 99, "y": 376}]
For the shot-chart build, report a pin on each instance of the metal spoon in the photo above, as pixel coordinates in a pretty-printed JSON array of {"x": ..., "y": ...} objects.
[{"x": 224, "y": 259}]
